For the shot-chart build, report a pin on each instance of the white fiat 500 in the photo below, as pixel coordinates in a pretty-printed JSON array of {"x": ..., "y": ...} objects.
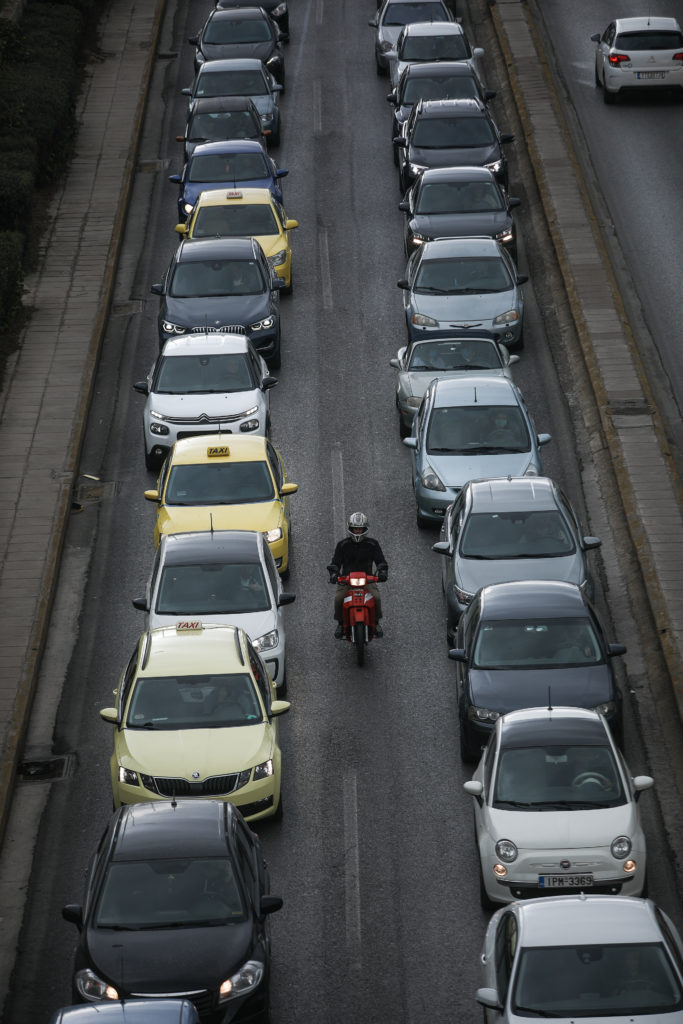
[{"x": 556, "y": 809}]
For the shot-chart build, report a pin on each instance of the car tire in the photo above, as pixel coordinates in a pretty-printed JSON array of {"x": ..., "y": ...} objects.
[
  {"x": 403, "y": 430},
  {"x": 466, "y": 755},
  {"x": 274, "y": 139},
  {"x": 486, "y": 902},
  {"x": 152, "y": 462},
  {"x": 275, "y": 361},
  {"x": 289, "y": 288},
  {"x": 282, "y": 690}
]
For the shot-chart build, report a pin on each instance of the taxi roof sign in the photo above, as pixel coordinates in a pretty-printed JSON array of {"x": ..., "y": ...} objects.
[
  {"x": 233, "y": 193},
  {"x": 188, "y": 626},
  {"x": 216, "y": 451}
]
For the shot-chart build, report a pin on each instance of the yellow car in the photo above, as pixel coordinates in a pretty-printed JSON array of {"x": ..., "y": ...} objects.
[
  {"x": 225, "y": 482},
  {"x": 245, "y": 212},
  {"x": 196, "y": 715}
]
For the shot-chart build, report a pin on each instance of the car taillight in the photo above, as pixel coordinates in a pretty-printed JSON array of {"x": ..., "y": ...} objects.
[
  {"x": 678, "y": 56},
  {"x": 618, "y": 58}
]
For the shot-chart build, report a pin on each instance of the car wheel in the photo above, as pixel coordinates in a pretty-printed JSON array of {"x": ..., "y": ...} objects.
[
  {"x": 274, "y": 361},
  {"x": 608, "y": 97},
  {"x": 403, "y": 430},
  {"x": 274, "y": 138},
  {"x": 152, "y": 462},
  {"x": 282, "y": 690},
  {"x": 486, "y": 902},
  {"x": 288, "y": 289}
]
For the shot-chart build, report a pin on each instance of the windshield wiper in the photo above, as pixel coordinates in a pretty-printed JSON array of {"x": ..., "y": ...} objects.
[
  {"x": 432, "y": 288},
  {"x": 538, "y": 1013}
]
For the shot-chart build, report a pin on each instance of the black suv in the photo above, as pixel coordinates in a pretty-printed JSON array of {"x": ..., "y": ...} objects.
[{"x": 450, "y": 133}]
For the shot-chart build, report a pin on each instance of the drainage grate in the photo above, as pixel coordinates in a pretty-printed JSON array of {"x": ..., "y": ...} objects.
[
  {"x": 95, "y": 491},
  {"x": 45, "y": 770}
]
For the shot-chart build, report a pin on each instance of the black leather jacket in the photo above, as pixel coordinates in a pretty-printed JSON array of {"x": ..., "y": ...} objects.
[{"x": 358, "y": 556}]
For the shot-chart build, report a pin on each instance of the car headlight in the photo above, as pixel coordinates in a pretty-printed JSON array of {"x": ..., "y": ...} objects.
[
  {"x": 430, "y": 480},
  {"x": 266, "y": 118},
  {"x": 505, "y": 236},
  {"x": 422, "y": 320},
  {"x": 417, "y": 168},
  {"x": 418, "y": 238},
  {"x": 263, "y": 771},
  {"x": 482, "y": 714},
  {"x": 495, "y": 167},
  {"x": 278, "y": 11},
  {"x": 385, "y": 47},
  {"x": 463, "y": 596},
  {"x": 607, "y": 708},
  {"x": 262, "y": 325},
  {"x": 92, "y": 988},
  {"x": 160, "y": 429},
  {"x": 249, "y": 425},
  {"x": 510, "y": 317},
  {"x": 621, "y": 847},
  {"x": 506, "y": 850},
  {"x": 188, "y": 207},
  {"x": 268, "y": 641},
  {"x": 168, "y": 327},
  {"x": 245, "y": 980},
  {"x": 278, "y": 259},
  {"x": 128, "y": 776},
  {"x": 273, "y": 535},
  {"x": 412, "y": 402}
]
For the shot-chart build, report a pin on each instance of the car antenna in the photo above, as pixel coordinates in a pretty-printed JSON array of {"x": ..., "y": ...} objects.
[
  {"x": 550, "y": 703},
  {"x": 211, "y": 521},
  {"x": 174, "y": 802}
]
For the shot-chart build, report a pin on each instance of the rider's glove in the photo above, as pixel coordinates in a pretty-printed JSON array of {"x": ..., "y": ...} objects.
[
  {"x": 382, "y": 574},
  {"x": 333, "y": 577}
]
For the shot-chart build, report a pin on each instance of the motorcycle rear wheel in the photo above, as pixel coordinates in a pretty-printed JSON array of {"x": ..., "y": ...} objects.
[{"x": 359, "y": 641}]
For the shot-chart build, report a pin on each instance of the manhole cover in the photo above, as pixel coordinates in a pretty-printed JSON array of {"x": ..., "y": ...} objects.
[{"x": 44, "y": 770}]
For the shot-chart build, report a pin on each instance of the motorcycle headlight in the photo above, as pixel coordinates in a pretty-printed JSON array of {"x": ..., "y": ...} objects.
[
  {"x": 621, "y": 847},
  {"x": 482, "y": 714},
  {"x": 495, "y": 167},
  {"x": 506, "y": 850},
  {"x": 245, "y": 980},
  {"x": 422, "y": 320},
  {"x": 263, "y": 771},
  {"x": 128, "y": 776},
  {"x": 273, "y": 535},
  {"x": 262, "y": 325},
  {"x": 509, "y": 317},
  {"x": 168, "y": 327},
  {"x": 430, "y": 480},
  {"x": 268, "y": 641},
  {"x": 92, "y": 988}
]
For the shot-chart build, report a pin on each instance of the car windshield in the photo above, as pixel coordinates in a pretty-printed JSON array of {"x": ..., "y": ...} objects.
[
  {"x": 197, "y": 278},
  {"x": 225, "y": 124},
  {"x": 212, "y": 588},
  {"x": 477, "y": 430},
  {"x": 227, "y": 167},
  {"x": 508, "y": 535},
  {"x": 219, "y": 483},
  {"x": 452, "y": 133},
  {"x": 404, "y": 14},
  {"x": 455, "y": 355},
  {"x": 235, "y": 220},
  {"x": 651, "y": 40},
  {"x": 616, "y": 980},
  {"x": 425, "y": 48},
  {"x": 463, "y": 276},
  {"x": 458, "y": 197},
  {"x": 224, "y": 31},
  {"x": 204, "y": 374},
  {"x": 232, "y": 83},
  {"x": 193, "y": 702},
  {"x": 169, "y": 893},
  {"x": 536, "y": 778},
  {"x": 536, "y": 643},
  {"x": 438, "y": 87}
]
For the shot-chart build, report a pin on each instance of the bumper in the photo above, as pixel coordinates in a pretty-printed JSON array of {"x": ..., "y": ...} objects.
[
  {"x": 615, "y": 80},
  {"x": 509, "y": 334},
  {"x": 158, "y": 443},
  {"x": 280, "y": 552},
  {"x": 432, "y": 505},
  {"x": 256, "y": 800},
  {"x": 266, "y": 343}
]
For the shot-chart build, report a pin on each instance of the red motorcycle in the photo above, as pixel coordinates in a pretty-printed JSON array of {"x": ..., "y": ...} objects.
[{"x": 359, "y": 611}]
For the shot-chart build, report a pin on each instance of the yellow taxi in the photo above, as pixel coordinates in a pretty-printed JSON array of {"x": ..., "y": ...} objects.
[
  {"x": 225, "y": 482},
  {"x": 245, "y": 212},
  {"x": 196, "y": 716}
]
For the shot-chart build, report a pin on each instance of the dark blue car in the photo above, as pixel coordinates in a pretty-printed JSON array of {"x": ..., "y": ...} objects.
[{"x": 235, "y": 164}]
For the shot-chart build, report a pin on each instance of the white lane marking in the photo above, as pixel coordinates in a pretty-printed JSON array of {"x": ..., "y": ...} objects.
[
  {"x": 325, "y": 276},
  {"x": 338, "y": 503},
  {"x": 317, "y": 109},
  {"x": 352, "y": 871},
  {"x": 319, "y": 11}
]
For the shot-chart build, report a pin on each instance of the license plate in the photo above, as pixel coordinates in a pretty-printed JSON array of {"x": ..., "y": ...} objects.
[
  {"x": 564, "y": 881},
  {"x": 650, "y": 74}
]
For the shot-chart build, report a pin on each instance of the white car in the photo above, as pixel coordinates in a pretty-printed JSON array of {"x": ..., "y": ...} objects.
[
  {"x": 638, "y": 53},
  {"x": 204, "y": 384},
  {"x": 582, "y": 958},
  {"x": 425, "y": 42},
  {"x": 226, "y": 577},
  {"x": 556, "y": 809}
]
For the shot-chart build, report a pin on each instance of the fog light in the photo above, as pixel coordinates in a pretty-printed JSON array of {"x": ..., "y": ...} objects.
[
  {"x": 500, "y": 870},
  {"x": 629, "y": 866}
]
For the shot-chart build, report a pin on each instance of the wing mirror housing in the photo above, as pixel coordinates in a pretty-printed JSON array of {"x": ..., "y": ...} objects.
[
  {"x": 442, "y": 547},
  {"x": 613, "y": 650},
  {"x": 457, "y": 654},
  {"x": 269, "y": 904},
  {"x": 285, "y": 598}
]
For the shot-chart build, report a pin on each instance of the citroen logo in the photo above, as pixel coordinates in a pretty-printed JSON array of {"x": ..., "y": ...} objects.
[
  {"x": 203, "y": 418},
  {"x": 565, "y": 865}
]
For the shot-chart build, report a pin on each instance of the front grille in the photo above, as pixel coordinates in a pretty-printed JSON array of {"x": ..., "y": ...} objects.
[
  {"x": 533, "y": 891},
  {"x": 218, "y": 785},
  {"x": 197, "y": 433},
  {"x": 204, "y": 418},
  {"x": 224, "y": 329}
]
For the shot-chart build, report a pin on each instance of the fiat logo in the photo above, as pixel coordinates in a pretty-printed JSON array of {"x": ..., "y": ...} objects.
[{"x": 565, "y": 865}]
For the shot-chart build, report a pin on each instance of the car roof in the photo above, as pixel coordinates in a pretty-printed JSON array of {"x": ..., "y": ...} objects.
[
  {"x": 474, "y": 390},
  {"x": 444, "y": 68},
  {"x": 172, "y": 828},
  {"x": 206, "y": 547},
  {"x": 242, "y": 448},
  {"x": 455, "y": 334},
  {"x": 208, "y": 648},
  {"x": 468, "y": 107},
  {"x": 433, "y": 28},
  {"x": 513, "y": 493},
  {"x": 532, "y": 598},
  {"x": 193, "y": 249},
  {"x": 581, "y": 920},
  {"x": 221, "y": 196},
  {"x": 206, "y": 344},
  {"x": 439, "y": 248},
  {"x": 237, "y": 13},
  {"x": 433, "y": 174},
  {"x": 553, "y": 726},
  {"x": 218, "y": 104},
  {"x": 647, "y": 24},
  {"x": 231, "y": 64},
  {"x": 230, "y": 146}
]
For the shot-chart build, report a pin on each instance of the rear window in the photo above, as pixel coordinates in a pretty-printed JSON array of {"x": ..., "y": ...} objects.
[
  {"x": 440, "y": 87},
  {"x": 404, "y": 14},
  {"x": 649, "y": 41},
  {"x": 227, "y": 167}
]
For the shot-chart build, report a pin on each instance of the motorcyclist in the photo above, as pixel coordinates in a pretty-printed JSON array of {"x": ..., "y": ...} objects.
[{"x": 357, "y": 553}]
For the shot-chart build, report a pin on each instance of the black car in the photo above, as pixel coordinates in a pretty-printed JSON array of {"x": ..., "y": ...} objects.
[
  {"x": 222, "y": 284},
  {"x": 222, "y": 119},
  {"x": 240, "y": 32},
  {"x": 177, "y": 900},
  {"x": 450, "y": 133},
  {"x": 436, "y": 80},
  {"x": 531, "y": 644},
  {"x": 456, "y": 202},
  {"x": 277, "y": 9}
]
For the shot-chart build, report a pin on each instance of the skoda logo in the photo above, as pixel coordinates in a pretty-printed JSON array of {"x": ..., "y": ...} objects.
[
  {"x": 565, "y": 865},
  {"x": 195, "y": 775}
]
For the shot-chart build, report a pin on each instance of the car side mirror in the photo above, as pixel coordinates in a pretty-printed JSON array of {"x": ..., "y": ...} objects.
[
  {"x": 373, "y": 23},
  {"x": 175, "y": 178},
  {"x": 110, "y": 715},
  {"x": 157, "y": 289},
  {"x": 478, "y": 51},
  {"x": 186, "y": 92},
  {"x": 521, "y": 278},
  {"x": 488, "y": 997},
  {"x": 151, "y": 495},
  {"x": 269, "y": 904},
  {"x": 542, "y": 439},
  {"x": 513, "y": 359},
  {"x": 73, "y": 913},
  {"x": 404, "y": 284},
  {"x": 458, "y": 654},
  {"x": 614, "y": 650},
  {"x": 404, "y": 205},
  {"x": 391, "y": 96},
  {"x": 642, "y": 782},
  {"x": 410, "y": 442},
  {"x": 140, "y": 603},
  {"x": 489, "y": 94},
  {"x": 514, "y": 201},
  {"x": 269, "y": 382},
  {"x": 291, "y": 224},
  {"x": 289, "y": 489},
  {"x": 595, "y": 38},
  {"x": 591, "y": 542},
  {"x": 182, "y": 229},
  {"x": 276, "y": 87},
  {"x": 474, "y": 789},
  {"x": 280, "y": 707},
  {"x": 400, "y": 141},
  {"x": 442, "y": 547},
  {"x": 277, "y": 283},
  {"x": 141, "y": 386},
  {"x": 194, "y": 40},
  {"x": 281, "y": 172},
  {"x": 505, "y": 138},
  {"x": 395, "y": 363},
  {"x": 285, "y": 598}
]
